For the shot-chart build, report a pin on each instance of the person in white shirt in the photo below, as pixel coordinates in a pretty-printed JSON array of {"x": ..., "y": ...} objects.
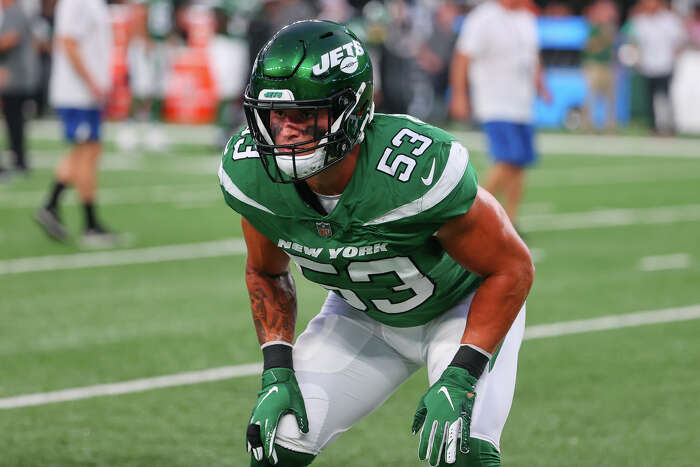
[
  {"x": 659, "y": 35},
  {"x": 79, "y": 86},
  {"x": 497, "y": 57}
]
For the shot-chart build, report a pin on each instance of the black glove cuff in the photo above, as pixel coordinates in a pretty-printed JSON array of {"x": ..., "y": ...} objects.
[
  {"x": 277, "y": 356},
  {"x": 471, "y": 360}
]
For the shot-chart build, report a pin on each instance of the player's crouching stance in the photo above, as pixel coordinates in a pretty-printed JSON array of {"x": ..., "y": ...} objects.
[{"x": 384, "y": 211}]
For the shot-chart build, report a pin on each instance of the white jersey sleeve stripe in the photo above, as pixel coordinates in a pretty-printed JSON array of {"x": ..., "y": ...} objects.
[
  {"x": 454, "y": 170},
  {"x": 234, "y": 191}
]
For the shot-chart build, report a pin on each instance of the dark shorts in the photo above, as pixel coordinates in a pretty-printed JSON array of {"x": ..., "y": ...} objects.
[
  {"x": 81, "y": 125},
  {"x": 510, "y": 142}
]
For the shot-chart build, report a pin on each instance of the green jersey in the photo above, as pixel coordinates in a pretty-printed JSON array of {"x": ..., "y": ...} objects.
[{"x": 376, "y": 249}]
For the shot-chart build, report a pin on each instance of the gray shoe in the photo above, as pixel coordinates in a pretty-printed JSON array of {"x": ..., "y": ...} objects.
[
  {"x": 99, "y": 238},
  {"x": 51, "y": 223}
]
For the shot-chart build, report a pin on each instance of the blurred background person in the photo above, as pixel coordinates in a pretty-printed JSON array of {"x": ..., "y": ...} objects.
[
  {"x": 42, "y": 27},
  {"x": 659, "y": 35},
  {"x": 228, "y": 62},
  {"x": 160, "y": 34},
  {"x": 497, "y": 59},
  {"x": 599, "y": 63},
  {"x": 435, "y": 53},
  {"x": 142, "y": 63},
  {"x": 339, "y": 11},
  {"x": 271, "y": 16},
  {"x": 693, "y": 27},
  {"x": 80, "y": 82},
  {"x": 528, "y": 5},
  {"x": 406, "y": 87},
  {"x": 150, "y": 54},
  {"x": 19, "y": 58},
  {"x": 557, "y": 8}
]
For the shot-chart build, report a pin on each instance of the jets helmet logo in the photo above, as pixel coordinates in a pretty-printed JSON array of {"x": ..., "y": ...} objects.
[
  {"x": 344, "y": 56},
  {"x": 276, "y": 95}
]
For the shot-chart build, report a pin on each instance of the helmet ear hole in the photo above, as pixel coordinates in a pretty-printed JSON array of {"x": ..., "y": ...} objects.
[
  {"x": 341, "y": 104},
  {"x": 362, "y": 108}
]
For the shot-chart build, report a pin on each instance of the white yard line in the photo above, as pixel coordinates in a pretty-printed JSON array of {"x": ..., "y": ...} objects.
[
  {"x": 532, "y": 223},
  {"x": 141, "y": 195},
  {"x": 599, "y": 145},
  {"x": 594, "y": 176},
  {"x": 610, "y": 218},
  {"x": 616, "y": 146},
  {"x": 51, "y": 130},
  {"x": 111, "y": 161},
  {"x": 201, "y": 193},
  {"x": 664, "y": 262},
  {"x": 137, "y": 385},
  {"x": 603, "y": 323},
  {"x": 122, "y": 257},
  {"x": 216, "y": 374}
]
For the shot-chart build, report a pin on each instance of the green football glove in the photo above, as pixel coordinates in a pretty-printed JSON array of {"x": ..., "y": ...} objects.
[
  {"x": 280, "y": 394},
  {"x": 443, "y": 416}
]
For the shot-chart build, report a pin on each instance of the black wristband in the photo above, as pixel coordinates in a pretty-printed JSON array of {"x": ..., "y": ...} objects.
[
  {"x": 277, "y": 356},
  {"x": 471, "y": 360}
]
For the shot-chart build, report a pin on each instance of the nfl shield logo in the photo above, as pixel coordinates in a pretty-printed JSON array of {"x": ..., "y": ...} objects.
[{"x": 324, "y": 229}]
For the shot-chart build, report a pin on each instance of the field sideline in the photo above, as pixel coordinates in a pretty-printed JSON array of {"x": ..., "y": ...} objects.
[{"x": 613, "y": 224}]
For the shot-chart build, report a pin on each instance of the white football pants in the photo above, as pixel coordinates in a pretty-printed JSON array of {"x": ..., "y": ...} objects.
[{"x": 347, "y": 365}]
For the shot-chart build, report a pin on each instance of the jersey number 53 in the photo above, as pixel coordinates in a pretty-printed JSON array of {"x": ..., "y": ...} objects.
[{"x": 401, "y": 267}]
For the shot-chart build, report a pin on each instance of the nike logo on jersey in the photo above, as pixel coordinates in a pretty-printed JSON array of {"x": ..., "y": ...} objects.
[
  {"x": 429, "y": 179},
  {"x": 447, "y": 394},
  {"x": 272, "y": 389}
]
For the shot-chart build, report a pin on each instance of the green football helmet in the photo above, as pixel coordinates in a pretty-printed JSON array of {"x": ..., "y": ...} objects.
[{"x": 322, "y": 70}]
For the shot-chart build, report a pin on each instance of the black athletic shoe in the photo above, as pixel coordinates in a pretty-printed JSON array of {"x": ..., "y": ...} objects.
[{"x": 49, "y": 220}]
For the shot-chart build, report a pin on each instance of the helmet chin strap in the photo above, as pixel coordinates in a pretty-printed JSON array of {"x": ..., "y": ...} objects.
[
  {"x": 339, "y": 121},
  {"x": 368, "y": 118}
]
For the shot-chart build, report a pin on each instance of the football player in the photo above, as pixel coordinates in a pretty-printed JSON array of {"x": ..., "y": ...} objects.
[{"x": 422, "y": 266}]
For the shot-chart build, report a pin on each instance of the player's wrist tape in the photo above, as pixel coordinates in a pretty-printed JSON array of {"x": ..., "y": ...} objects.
[
  {"x": 277, "y": 356},
  {"x": 471, "y": 360}
]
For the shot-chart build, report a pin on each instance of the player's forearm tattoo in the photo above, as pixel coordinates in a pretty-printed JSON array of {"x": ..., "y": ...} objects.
[{"x": 273, "y": 300}]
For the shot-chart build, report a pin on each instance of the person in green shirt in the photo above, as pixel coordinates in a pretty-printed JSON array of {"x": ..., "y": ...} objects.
[
  {"x": 599, "y": 60},
  {"x": 422, "y": 266}
]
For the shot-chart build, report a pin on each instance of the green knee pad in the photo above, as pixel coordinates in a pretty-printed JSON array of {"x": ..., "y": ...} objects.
[
  {"x": 285, "y": 458},
  {"x": 482, "y": 454}
]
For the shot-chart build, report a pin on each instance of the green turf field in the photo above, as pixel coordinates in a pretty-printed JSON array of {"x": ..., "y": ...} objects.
[{"x": 611, "y": 234}]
